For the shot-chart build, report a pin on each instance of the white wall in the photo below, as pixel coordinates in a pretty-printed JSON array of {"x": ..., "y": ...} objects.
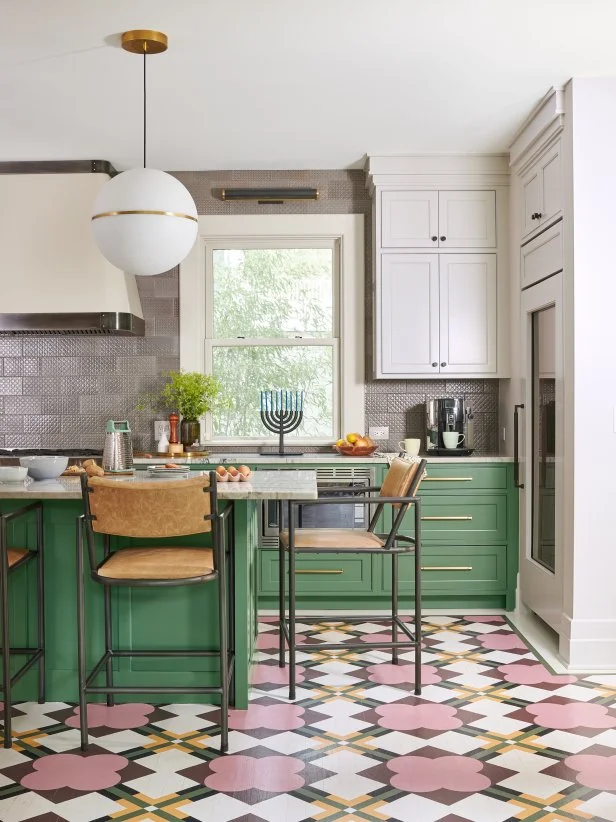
[{"x": 592, "y": 627}]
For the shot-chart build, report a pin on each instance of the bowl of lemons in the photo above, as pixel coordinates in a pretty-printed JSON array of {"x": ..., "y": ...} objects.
[{"x": 355, "y": 445}]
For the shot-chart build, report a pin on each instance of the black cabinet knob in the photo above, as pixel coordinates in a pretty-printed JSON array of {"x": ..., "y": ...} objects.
[
  {"x": 434, "y": 239},
  {"x": 537, "y": 215},
  {"x": 443, "y": 364},
  {"x": 434, "y": 364},
  {"x": 443, "y": 238}
]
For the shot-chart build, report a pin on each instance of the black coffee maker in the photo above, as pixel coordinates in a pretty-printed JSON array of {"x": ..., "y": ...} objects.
[{"x": 447, "y": 416}]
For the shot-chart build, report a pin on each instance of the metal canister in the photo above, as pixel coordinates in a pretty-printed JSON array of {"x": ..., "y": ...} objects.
[{"x": 118, "y": 450}]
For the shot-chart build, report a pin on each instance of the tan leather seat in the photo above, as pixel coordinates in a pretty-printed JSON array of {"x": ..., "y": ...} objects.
[
  {"x": 15, "y": 555},
  {"x": 318, "y": 538},
  {"x": 158, "y": 563}
]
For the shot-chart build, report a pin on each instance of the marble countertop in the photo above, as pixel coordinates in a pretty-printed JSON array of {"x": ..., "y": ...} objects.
[
  {"x": 304, "y": 459},
  {"x": 262, "y": 485}
]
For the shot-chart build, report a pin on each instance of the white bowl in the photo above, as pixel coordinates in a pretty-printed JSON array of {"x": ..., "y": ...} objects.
[
  {"x": 12, "y": 473},
  {"x": 41, "y": 468}
]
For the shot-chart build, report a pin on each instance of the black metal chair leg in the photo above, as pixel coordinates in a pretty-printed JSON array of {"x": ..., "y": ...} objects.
[
  {"x": 394, "y": 606},
  {"x": 231, "y": 606},
  {"x": 281, "y": 605},
  {"x": 291, "y": 603},
  {"x": 223, "y": 639},
  {"x": 81, "y": 640},
  {"x": 40, "y": 581},
  {"x": 6, "y": 656},
  {"x": 417, "y": 558},
  {"x": 108, "y": 645}
]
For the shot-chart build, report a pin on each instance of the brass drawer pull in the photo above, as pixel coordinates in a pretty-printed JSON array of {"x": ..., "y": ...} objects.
[
  {"x": 319, "y": 571},
  {"x": 446, "y": 567},
  {"x": 447, "y": 479},
  {"x": 438, "y": 519}
]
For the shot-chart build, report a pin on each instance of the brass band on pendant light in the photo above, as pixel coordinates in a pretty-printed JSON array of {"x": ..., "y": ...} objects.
[
  {"x": 144, "y": 41},
  {"x": 126, "y": 218}
]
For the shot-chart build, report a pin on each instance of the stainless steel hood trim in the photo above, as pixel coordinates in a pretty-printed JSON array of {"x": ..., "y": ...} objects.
[{"x": 108, "y": 322}]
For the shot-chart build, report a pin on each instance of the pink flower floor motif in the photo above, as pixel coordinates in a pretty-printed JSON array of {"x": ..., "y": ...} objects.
[
  {"x": 568, "y": 715},
  {"x": 503, "y": 642},
  {"x": 277, "y": 717},
  {"x": 119, "y": 716},
  {"x": 412, "y": 717},
  {"x": 274, "y": 774},
  {"x": 82, "y": 773},
  {"x": 533, "y": 674},
  {"x": 594, "y": 771},
  {"x": 416, "y": 774}
]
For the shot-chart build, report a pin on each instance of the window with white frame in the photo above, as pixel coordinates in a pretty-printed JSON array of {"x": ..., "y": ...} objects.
[{"x": 278, "y": 310}]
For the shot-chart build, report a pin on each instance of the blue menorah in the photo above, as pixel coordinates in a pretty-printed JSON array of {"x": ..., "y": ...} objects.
[{"x": 282, "y": 412}]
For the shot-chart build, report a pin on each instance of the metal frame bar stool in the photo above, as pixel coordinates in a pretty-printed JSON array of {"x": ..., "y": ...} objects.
[
  {"x": 399, "y": 490},
  {"x": 155, "y": 509},
  {"x": 10, "y": 560}
]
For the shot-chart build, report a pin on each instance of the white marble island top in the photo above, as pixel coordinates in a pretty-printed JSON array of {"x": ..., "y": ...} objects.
[
  {"x": 291, "y": 484},
  {"x": 379, "y": 458}
]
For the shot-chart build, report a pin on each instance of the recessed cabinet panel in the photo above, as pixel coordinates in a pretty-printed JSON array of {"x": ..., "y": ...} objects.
[
  {"x": 409, "y": 219},
  {"x": 468, "y": 313},
  {"x": 467, "y": 219},
  {"x": 531, "y": 199},
  {"x": 542, "y": 191},
  {"x": 409, "y": 314}
]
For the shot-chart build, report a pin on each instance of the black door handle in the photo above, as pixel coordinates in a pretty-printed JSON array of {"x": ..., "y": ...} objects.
[{"x": 516, "y": 450}]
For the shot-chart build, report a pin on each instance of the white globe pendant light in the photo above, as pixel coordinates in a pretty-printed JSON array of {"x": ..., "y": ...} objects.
[{"x": 144, "y": 220}]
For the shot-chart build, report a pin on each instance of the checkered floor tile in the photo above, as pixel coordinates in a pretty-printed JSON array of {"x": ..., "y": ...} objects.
[{"x": 494, "y": 737}]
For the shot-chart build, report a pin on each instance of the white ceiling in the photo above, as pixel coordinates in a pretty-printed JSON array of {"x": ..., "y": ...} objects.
[{"x": 260, "y": 84}]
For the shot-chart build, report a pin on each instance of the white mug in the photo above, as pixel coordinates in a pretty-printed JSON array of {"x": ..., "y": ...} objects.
[
  {"x": 410, "y": 447},
  {"x": 452, "y": 439}
]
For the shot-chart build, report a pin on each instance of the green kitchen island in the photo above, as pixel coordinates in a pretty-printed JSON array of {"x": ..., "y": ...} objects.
[{"x": 176, "y": 617}]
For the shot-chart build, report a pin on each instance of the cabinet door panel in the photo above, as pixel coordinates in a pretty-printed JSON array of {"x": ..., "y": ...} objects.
[
  {"x": 409, "y": 314},
  {"x": 409, "y": 219},
  {"x": 552, "y": 185},
  {"x": 468, "y": 313},
  {"x": 531, "y": 199},
  {"x": 467, "y": 219}
]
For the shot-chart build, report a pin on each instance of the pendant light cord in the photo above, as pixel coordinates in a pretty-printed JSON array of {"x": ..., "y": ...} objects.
[{"x": 144, "y": 107}]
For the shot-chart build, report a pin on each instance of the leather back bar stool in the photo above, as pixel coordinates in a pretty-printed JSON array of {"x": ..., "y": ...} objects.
[
  {"x": 155, "y": 509},
  {"x": 10, "y": 560},
  {"x": 399, "y": 491}
]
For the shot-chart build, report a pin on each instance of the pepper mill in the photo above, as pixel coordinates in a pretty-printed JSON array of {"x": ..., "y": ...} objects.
[{"x": 175, "y": 447}]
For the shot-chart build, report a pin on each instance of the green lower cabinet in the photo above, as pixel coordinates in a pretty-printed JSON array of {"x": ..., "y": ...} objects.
[
  {"x": 469, "y": 550},
  {"x": 320, "y": 574},
  {"x": 462, "y": 518},
  {"x": 452, "y": 571}
]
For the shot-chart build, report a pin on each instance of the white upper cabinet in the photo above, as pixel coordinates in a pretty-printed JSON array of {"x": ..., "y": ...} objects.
[
  {"x": 467, "y": 313},
  {"x": 467, "y": 219},
  {"x": 438, "y": 219},
  {"x": 542, "y": 191},
  {"x": 438, "y": 314},
  {"x": 409, "y": 219},
  {"x": 441, "y": 249},
  {"x": 409, "y": 320}
]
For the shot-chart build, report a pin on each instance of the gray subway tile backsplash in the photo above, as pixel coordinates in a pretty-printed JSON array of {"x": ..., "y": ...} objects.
[{"x": 59, "y": 391}]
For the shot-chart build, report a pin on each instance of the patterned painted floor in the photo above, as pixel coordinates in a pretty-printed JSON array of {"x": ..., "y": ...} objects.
[{"x": 493, "y": 737}]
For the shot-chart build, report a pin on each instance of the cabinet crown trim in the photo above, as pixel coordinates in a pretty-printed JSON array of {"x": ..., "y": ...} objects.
[
  {"x": 426, "y": 169},
  {"x": 544, "y": 122}
]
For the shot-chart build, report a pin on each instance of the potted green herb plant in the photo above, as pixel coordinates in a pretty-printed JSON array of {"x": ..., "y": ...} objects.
[{"x": 191, "y": 394}]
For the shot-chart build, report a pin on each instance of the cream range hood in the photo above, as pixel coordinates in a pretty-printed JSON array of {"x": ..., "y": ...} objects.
[{"x": 54, "y": 280}]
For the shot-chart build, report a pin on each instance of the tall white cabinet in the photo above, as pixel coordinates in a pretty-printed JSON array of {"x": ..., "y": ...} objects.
[{"x": 440, "y": 266}]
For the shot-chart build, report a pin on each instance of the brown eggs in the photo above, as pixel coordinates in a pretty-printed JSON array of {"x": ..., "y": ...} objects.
[{"x": 230, "y": 473}]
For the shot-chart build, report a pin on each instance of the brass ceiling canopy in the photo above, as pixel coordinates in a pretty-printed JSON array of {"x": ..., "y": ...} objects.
[{"x": 144, "y": 41}]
